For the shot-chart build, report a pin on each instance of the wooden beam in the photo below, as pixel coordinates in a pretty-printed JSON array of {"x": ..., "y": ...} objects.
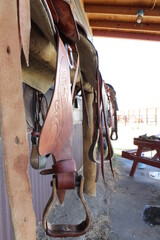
[
  {"x": 121, "y": 10},
  {"x": 131, "y": 27},
  {"x": 89, "y": 167},
  {"x": 126, "y": 35},
  {"x": 123, "y": 18},
  {"x": 13, "y": 125},
  {"x": 139, "y": 3}
]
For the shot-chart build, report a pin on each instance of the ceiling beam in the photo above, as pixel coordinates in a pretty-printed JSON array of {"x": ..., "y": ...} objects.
[
  {"x": 127, "y": 31},
  {"x": 123, "y": 18},
  {"x": 120, "y": 10},
  {"x": 126, "y": 26},
  {"x": 115, "y": 34},
  {"x": 138, "y": 3}
]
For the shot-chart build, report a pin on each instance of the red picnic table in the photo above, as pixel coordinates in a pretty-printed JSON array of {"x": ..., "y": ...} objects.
[{"x": 145, "y": 144}]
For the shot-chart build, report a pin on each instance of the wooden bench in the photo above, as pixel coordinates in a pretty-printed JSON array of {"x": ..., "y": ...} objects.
[{"x": 144, "y": 145}]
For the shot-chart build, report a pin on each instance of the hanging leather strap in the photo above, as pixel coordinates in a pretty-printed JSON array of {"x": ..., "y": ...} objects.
[
  {"x": 75, "y": 78},
  {"x": 63, "y": 18},
  {"x": 55, "y": 139},
  {"x": 110, "y": 149},
  {"x": 101, "y": 110}
]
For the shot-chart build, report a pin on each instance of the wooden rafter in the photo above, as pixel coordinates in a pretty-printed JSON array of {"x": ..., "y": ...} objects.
[
  {"x": 120, "y": 10},
  {"x": 111, "y": 16},
  {"x": 127, "y": 35},
  {"x": 137, "y": 3},
  {"x": 126, "y": 26}
]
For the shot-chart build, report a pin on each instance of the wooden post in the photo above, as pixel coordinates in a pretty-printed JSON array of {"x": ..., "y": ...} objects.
[
  {"x": 147, "y": 116},
  {"x": 13, "y": 125},
  {"x": 128, "y": 116},
  {"x": 156, "y": 116},
  {"x": 89, "y": 168}
]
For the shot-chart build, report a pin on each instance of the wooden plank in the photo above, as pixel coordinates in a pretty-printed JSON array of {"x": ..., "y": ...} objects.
[
  {"x": 89, "y": 167},
  {"x": 126, "y": 26},
  {"x": 123, "y": 34},
  {"x": 138, "y": 3},
  {"x": 124, "y": 18},
  {"x": 93, "y": 9},
  {"x": 13, "y": 125},
  {"x": 145, "y": 160}
]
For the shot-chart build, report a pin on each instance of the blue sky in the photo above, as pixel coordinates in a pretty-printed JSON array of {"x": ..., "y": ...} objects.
[{"x": 133, "y": 68}]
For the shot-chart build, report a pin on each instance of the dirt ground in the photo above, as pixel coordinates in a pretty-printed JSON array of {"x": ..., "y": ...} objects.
[
  {"x": 98, "y": 207},
  {"x": 117, "y": 209}
]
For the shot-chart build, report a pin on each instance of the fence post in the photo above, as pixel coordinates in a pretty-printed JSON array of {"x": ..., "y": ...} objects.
[
  {"x": 147, "y": 116},
  {"x": 156, "y": 116}
]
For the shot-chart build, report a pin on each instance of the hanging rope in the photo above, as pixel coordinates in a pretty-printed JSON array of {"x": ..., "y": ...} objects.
[{"x": 154, "y": 4}]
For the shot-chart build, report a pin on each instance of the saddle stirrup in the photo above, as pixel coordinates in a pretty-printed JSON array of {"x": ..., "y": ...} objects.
[{"x": 66, "y": 230}]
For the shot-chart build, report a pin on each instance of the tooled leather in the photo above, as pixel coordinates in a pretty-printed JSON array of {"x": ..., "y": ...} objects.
[{"x": 59, "y": 115}]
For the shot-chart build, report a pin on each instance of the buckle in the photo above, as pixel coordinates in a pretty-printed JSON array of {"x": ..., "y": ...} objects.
[{"x": 66, "y": 230}]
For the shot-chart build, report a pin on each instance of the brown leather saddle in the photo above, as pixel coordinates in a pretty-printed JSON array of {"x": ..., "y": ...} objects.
[
  {"x": 53, "y": 130},
  {"x": 52, "y": 120}
]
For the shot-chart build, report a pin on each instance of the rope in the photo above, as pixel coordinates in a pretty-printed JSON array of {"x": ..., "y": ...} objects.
[{"x": 154, "y": 4}]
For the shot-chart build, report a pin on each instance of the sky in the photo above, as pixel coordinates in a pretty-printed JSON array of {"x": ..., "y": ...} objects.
[{"x": 132, "y": 67}]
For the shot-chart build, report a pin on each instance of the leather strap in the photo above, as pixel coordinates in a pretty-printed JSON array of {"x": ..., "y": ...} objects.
[
  {"x": 84, "y": 100},
  {"x": 66, "y": 230},
  {"x": 56, "y": 139},
  {"x": 39, "y": 103},
  {"x": 113, "y": 107},
  {"x": 75, "y": 78},
  {"x": 110, "y": 149},
  {"x": 56, "y": 134},
  {"x": 65, "y": 23},
  {"x": 101, "y": 110},
  {"x": 64, "y": 166}
]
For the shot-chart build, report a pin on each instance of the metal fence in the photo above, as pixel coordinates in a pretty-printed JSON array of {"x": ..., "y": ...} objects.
[{"x": 148, "y": 116}]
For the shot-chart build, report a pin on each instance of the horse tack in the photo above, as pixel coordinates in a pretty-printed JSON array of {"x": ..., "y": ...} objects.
[
  {"x": 59, "y": 144},
  {"x": 99, "y": 111},
  {"x": 102, "y": 108},
  {"x": 113, "y": 108},
  {"x": 56, "y": 134},
  {"x": 55, "y": 137},
  {"x": 108, "y": 108}
]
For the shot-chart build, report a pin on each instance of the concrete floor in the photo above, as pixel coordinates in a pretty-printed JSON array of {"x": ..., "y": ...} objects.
[
  {"x": 128, "y": 201},
  {"x": 117, "y": 210}
]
